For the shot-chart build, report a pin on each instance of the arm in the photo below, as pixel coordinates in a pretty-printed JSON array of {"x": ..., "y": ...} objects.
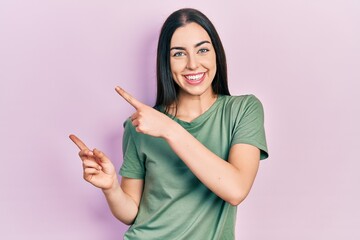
[
  {"x": 124, "y": 200},
  {"x": 99, "y": 171},
  {"x": 231, "y": 180}
]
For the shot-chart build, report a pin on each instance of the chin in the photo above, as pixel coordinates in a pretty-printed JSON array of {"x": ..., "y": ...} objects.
[{"x": 198, "y": 92}]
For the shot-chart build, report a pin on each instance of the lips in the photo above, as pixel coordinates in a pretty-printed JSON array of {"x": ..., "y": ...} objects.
[{"x": 194, "y": 79}]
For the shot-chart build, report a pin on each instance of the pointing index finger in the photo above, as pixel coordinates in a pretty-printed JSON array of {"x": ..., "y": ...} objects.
[
  {"x": 78, "y": 142},
  {"x": 130, "y": 99}
]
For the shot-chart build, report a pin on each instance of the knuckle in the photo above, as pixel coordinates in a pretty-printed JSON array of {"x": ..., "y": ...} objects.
[
  {"x": 87, "y": 177},
  {"x": 83, "y": 152},
  {"x": 86, "y": 163},
  {"x": 99, "y": 153}
]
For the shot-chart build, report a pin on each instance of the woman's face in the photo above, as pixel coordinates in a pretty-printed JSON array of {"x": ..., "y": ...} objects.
[{"x": 192, "y": 60}]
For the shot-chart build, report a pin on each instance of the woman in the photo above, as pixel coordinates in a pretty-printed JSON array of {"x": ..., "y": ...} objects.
[{"x": 193, "y": 158}]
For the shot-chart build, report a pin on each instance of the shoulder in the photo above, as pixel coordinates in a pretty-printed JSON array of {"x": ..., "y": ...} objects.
[
  {"x": 128, "y": 125},
  {"x": 242, "y": 102},
  {"x": 129, "y": 129}
]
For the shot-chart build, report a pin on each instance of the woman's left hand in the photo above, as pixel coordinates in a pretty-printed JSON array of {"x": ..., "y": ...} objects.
[{"x": 146, "y": 119}]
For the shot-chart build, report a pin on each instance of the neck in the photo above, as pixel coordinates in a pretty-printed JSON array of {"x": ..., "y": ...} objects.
[{"x": 190, "y": 107}]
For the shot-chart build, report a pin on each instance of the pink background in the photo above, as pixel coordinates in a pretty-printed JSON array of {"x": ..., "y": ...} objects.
[{"x": 60, "y": 61}]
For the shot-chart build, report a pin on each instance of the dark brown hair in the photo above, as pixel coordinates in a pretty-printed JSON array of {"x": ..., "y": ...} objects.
[{"x": 167, "y": 89}]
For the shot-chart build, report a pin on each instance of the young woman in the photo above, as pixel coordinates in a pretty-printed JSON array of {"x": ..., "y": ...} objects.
[{"x": 190, "y": 160}]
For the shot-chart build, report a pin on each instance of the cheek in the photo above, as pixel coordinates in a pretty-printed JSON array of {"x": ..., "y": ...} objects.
[
  {"x": 210, "y": 64},
  {"x": 213, "y": 60},
  {"x": 176, "y": 66},
  {"x": 210, "y": 61}
]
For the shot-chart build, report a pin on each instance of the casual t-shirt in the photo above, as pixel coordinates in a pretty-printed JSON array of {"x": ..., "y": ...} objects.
[{"x": 175, "y": 204}]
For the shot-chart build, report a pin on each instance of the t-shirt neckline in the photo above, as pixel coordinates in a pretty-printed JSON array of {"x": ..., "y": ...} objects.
[{"x": 200, "y": 118}]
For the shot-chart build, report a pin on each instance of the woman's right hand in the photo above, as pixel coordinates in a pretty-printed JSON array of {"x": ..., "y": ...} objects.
[{"x": 97, "y": 168}]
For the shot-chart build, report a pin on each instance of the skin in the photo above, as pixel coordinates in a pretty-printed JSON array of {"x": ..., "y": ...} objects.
[
  {"x": 191, "y": 55},
  {"x": 230, "y": 180}
]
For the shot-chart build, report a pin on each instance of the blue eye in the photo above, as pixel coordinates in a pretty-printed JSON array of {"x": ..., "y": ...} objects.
[
  {"x": 178, "y": 54},
  {"x": 203, "y": 50}
]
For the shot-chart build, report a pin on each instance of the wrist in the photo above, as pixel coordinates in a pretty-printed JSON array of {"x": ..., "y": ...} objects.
[
  {"x": 173, "y": 130},
  {"x": 113, "y": 188}
]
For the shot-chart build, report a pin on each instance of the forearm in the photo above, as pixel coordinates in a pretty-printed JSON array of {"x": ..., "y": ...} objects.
[
  {"x": 221, "y": 177},
  {"x": 122, "y": 206}
]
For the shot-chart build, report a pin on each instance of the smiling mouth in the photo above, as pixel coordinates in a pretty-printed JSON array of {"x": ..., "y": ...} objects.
[{"x": 194, "y": 79}]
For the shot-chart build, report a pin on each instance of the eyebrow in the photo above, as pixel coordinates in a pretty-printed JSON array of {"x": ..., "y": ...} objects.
[{"x": 196, "y": 45}]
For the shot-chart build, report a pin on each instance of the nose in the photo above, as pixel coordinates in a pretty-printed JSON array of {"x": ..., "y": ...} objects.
[{"x": 192, "y": 62}]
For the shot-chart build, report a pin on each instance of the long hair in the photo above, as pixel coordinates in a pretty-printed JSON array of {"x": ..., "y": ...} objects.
[{"x": 167, "y": 89}]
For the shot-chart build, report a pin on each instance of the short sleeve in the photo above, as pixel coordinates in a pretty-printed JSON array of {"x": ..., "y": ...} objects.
[
  {"x": 249, "y": 125},
  {"x": 133, "y": 165}
]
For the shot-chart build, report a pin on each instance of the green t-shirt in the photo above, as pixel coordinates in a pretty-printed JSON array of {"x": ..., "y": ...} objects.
[{"x": 175, "y": 204}]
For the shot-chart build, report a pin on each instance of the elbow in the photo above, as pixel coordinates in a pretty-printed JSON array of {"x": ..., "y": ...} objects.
[
  {"x": 236, "y": 198},
  {"x": 126, "y": 221},
  {"x": 236, "y": 201}
]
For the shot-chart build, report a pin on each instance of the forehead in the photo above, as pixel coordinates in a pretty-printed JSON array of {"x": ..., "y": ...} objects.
[{"x": 189, "y": 34}]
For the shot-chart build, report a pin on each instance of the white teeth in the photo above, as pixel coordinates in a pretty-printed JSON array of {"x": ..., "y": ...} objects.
[{"x": 195, "y": 77}]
